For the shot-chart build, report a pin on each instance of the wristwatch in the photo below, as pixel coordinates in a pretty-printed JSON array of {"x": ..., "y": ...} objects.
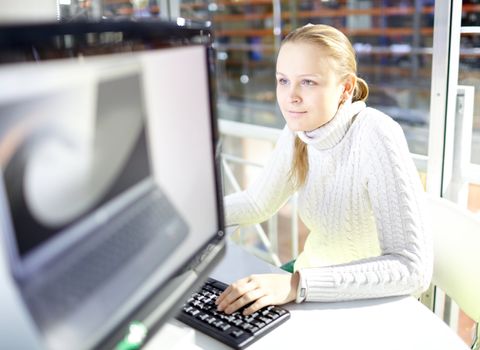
[{"x": 302, "y": 288}]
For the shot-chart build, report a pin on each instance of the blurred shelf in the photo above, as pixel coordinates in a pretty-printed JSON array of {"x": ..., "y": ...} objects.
[
  {"x": 403, "y": 31},
  {"x": 326, "y": 12},
  {"x": 244, "y": 32},
  {"x": 241, "y": 17},
  {"x": 393, "y": 45},
  {"x": 386, "y": 32},
  {"x": 246, "y": 47},
  {"x": 251, "y": 64},
  {"x": 203, "y": 5},
  {"x": 374, "y": 11},
  {"x": 395, "y": 71},
  {"x": 364, "y": 68},
  {"x": 399, "y": 85}
]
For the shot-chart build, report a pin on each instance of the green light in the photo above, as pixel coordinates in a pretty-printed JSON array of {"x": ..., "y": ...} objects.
[{"x": 134, "y": 338}]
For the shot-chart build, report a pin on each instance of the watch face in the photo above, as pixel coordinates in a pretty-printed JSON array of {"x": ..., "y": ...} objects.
[
  {"x": 300, "y": 296},
  {"x": 301, "y": 291}
]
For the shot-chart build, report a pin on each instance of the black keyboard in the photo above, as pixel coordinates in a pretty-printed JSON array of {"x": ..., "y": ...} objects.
[{"x": 235, "y": 330}]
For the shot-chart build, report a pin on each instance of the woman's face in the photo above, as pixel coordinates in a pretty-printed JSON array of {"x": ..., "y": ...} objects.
[{"x": 308, "y": 90}]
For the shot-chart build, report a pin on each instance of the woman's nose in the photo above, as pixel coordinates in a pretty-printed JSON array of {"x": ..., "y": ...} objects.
[{"x": 294, "y": 96}]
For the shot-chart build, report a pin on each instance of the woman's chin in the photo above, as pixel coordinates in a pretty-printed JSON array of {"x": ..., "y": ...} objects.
[{"x": 295, "y": 126}]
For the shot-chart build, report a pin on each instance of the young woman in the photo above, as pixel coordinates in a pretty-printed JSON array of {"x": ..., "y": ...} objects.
[{"x": 359, "y": 192}]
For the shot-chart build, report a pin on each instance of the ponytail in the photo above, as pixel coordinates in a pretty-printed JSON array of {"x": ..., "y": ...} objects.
[
  {"x": 361, "y": 90},
  {"x": 298, "y": 173}
]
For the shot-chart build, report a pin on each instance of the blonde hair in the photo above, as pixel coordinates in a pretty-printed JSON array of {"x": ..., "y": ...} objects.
[{"x": 339, "y": 49}]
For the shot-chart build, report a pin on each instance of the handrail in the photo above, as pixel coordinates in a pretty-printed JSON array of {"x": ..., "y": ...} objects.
[{"x": 251, "y": 131}]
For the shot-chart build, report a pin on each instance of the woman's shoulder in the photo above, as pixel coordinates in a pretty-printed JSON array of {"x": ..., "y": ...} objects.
[
  {"x": 373, "y": 116},
  {"x": 380, "y": 131},
  {"x": 375, "y": 121}
]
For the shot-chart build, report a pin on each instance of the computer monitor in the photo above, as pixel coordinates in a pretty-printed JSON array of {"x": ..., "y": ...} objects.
[{"x": 95, "y": 118}]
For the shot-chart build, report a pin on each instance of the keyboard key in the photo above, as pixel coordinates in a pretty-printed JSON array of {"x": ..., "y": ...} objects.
[
  {"x": 237, "y": 333},
  {"x": 225, "y": 327}
]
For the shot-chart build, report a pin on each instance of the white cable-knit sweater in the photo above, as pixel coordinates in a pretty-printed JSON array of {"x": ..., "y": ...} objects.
[{"x": 362, "y": 202}]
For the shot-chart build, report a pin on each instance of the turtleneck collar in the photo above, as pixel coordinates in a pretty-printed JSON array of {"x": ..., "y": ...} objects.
[{"x": 331, "y": 133}]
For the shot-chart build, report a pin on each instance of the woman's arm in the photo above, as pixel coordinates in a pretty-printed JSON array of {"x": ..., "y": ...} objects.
[
  {"x": 396, "y": 198},
  {"x": 258, "y": 202},
  {"x": 268, "y": 192}
]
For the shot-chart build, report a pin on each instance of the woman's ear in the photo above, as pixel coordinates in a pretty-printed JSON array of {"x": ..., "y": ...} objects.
[{"x": 349, "y": 86}]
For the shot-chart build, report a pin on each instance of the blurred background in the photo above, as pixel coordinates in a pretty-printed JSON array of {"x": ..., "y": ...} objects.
[{"x": 394, "y": 41}]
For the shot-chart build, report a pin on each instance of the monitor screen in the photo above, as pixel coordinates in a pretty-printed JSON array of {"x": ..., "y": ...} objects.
[
  {"x": 89, "y": 113},
  {"x": 67, "y": 163}
]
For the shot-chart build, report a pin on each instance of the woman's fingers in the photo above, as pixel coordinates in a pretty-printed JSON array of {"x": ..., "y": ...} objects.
[
  {"x": 257, "y": 305},
  {"x": 258, "y": 291},
  {"x": 234, "y": 291},
  {"x": 245, "y": 299}
]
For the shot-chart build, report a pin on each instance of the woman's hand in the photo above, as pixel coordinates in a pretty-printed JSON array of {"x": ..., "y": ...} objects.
[{"x": 259, "y": 291}]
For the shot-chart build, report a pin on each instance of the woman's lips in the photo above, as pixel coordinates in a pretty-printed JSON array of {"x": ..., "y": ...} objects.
[{"x": 296, "y": 114}]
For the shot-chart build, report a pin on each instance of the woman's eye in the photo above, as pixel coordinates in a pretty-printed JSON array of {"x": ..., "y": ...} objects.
[
  {"x": 282, "y": 81},
  {"x": 308, "y": 82}
]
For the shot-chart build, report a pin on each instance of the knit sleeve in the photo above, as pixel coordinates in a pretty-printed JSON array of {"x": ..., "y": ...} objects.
[
  {"x": 268, "y": 192},
  {"x": 396, "y": 198}
]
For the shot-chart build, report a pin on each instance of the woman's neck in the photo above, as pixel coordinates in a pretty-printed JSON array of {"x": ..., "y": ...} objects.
[{"x": 331, "y": 133}]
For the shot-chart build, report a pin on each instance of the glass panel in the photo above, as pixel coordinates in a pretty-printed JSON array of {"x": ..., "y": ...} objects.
[
  {"x": 469, "y": 67},
  {"x": 246, "y": 62},
  {"x": 393, "y": 40},
  {"x": 469, "y": 75}
]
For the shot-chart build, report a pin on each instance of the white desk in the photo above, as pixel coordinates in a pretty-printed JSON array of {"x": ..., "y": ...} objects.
[{"x": 400, "y": 323}]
